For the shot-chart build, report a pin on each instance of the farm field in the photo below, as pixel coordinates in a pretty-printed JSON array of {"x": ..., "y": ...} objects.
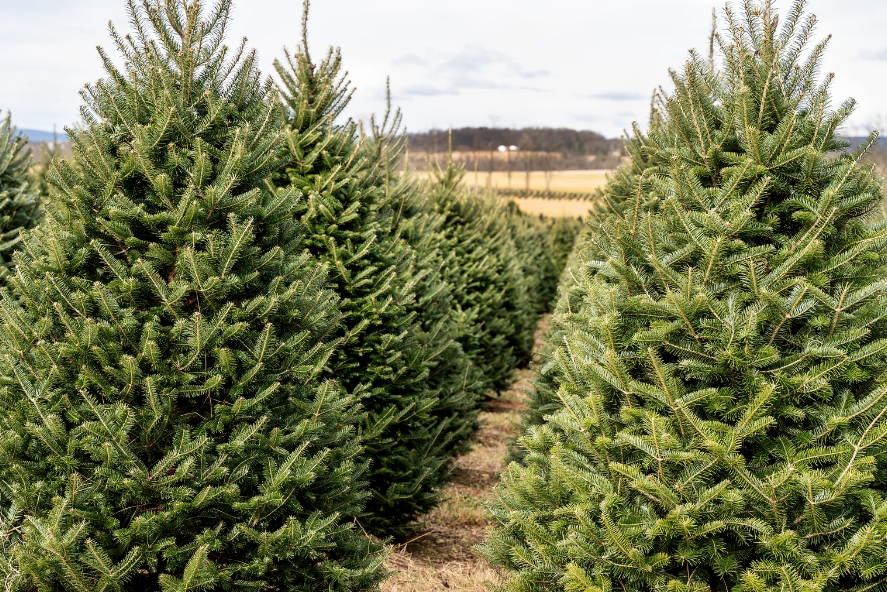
[{"x": 561, "y": 181}]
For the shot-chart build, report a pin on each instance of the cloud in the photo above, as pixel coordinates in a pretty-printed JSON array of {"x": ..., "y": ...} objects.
[
  {"x": 474, "y": 66},
  {"x": 617, "y": 96},
  {"x": 426, "y": 90},
  {"x": 471, "y": 68},
  {"x": 878, "y": 55},
  {"x": 409, "y": 59},
  {"x": 470, "y": 82},
  {"x": 535, "y": 73},
  {"x": 476, "y": 59},
  {"x": 475, "y": 83}
]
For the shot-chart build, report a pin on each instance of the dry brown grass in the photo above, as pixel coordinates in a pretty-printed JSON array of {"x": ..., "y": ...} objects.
[
  {"x": 557, "y": 181},
  {"x": 441, "y": 555}
]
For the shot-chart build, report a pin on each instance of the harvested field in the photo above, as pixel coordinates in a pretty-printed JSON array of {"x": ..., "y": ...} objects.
[{"x": 560, "y": 181}]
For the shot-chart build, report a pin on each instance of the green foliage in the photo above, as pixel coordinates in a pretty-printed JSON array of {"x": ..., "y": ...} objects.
[
  {"x": 532, "y": 238},
  {"x": 720, "y": 387},
  {"x": 497, "y": 315},
  {"x": 398, "y": 355},
  {"x": 542, "y": 399},
  {"x": 163, "y": 425},
  {"x": 39, "y": 173},
  {"x": 562, "y": 238},
  {"x": 19, "y": 204},
  {"x": 452, "y": 374},
  {"x": 622, "y": 192}
]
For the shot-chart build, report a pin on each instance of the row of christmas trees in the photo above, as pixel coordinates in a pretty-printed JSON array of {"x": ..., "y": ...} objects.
[
  {"x": 712, "y": 415},
  {"x": 237, "y": 343}
]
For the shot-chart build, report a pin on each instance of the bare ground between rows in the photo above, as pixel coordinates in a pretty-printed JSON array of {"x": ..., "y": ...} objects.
[{"x": 440, "y": 554}]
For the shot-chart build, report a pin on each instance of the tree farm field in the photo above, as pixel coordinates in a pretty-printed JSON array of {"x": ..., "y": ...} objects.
[
  {"x": 568, "y": 182},
  {"x": 561, "y": 181},
  {"x": 552, "y": 207}
]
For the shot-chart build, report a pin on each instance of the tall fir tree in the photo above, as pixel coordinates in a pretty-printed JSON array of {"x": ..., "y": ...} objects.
[
  {"x": 163, "y": 425},
  {"x": 391, "y": 352},
  {"x": 722, "y": 400},
  {"x": 19, "y": 204},
  {"x": 496, "y": 312},
  {"x": 453, "y": 374}
]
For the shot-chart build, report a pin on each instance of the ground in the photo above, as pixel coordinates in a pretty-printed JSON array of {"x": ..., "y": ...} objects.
[
  {"x": 561, "y": 182},
  {"x": 557, "y": 181},
  {"x": 440, "y": 555}
]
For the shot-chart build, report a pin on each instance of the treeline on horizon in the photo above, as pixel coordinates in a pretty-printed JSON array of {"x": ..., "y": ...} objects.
[{"x": 539, "y": 148}]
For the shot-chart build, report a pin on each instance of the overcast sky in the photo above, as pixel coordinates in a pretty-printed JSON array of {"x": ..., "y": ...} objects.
[{"x": 587, "y": 64}]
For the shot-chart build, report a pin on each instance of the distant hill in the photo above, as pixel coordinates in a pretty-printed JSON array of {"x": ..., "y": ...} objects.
[
  {"x": 567, "y": 141},
  {"x": 535, "y": 148},
  {"x": 37, "y": 136}
]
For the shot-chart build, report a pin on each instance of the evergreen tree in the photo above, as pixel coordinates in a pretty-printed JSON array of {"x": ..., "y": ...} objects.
[
  {"x": 624, "y": 189},
  {"x": 39, "y": 174},
  {"x": 496, "y": 315},
  {"x": 531, "y": 236},
  {"x": 19, "y": 205},
  {"x": 453, "y": 374},
  {"x": 162, "y": 423},
  {"x": 395, "y": 304},
  {"x": 722, "y": 403},
  {"x": 562, "y": 238}
]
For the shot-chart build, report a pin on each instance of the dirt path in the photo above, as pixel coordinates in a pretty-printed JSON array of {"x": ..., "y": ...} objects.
[{"x": 441, "y": 555}]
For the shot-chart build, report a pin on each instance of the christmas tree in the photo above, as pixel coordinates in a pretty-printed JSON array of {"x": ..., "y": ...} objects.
[
  {"x": 531, "y": 235},
  {"x": 721, "y": 416},
  {"x": 490, "y": 290},
  {"x": 393, "y": 357},
  {"x": 19, "y": 204},
  {"x": 453, "y": 373},
  {"x": 562, "y": 237},
  {"x": 163, "y": 425}
]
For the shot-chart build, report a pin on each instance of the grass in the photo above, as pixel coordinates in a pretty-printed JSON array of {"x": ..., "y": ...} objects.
[{"x": 441, "y": 555}]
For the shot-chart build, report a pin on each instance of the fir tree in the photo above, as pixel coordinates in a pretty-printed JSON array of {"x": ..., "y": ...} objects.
[
  {"x": 531, "y": 236},
  {"x": 722, "y": 402},
  {"x": 453, "y": 374},
  {"x": 392, "y": 353},
  {"x": 162, "y": 423},
  {"x": 562, "y": 238},
  {"x": 490, "y": 290},
  {"x": 19, "y": 204}
]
